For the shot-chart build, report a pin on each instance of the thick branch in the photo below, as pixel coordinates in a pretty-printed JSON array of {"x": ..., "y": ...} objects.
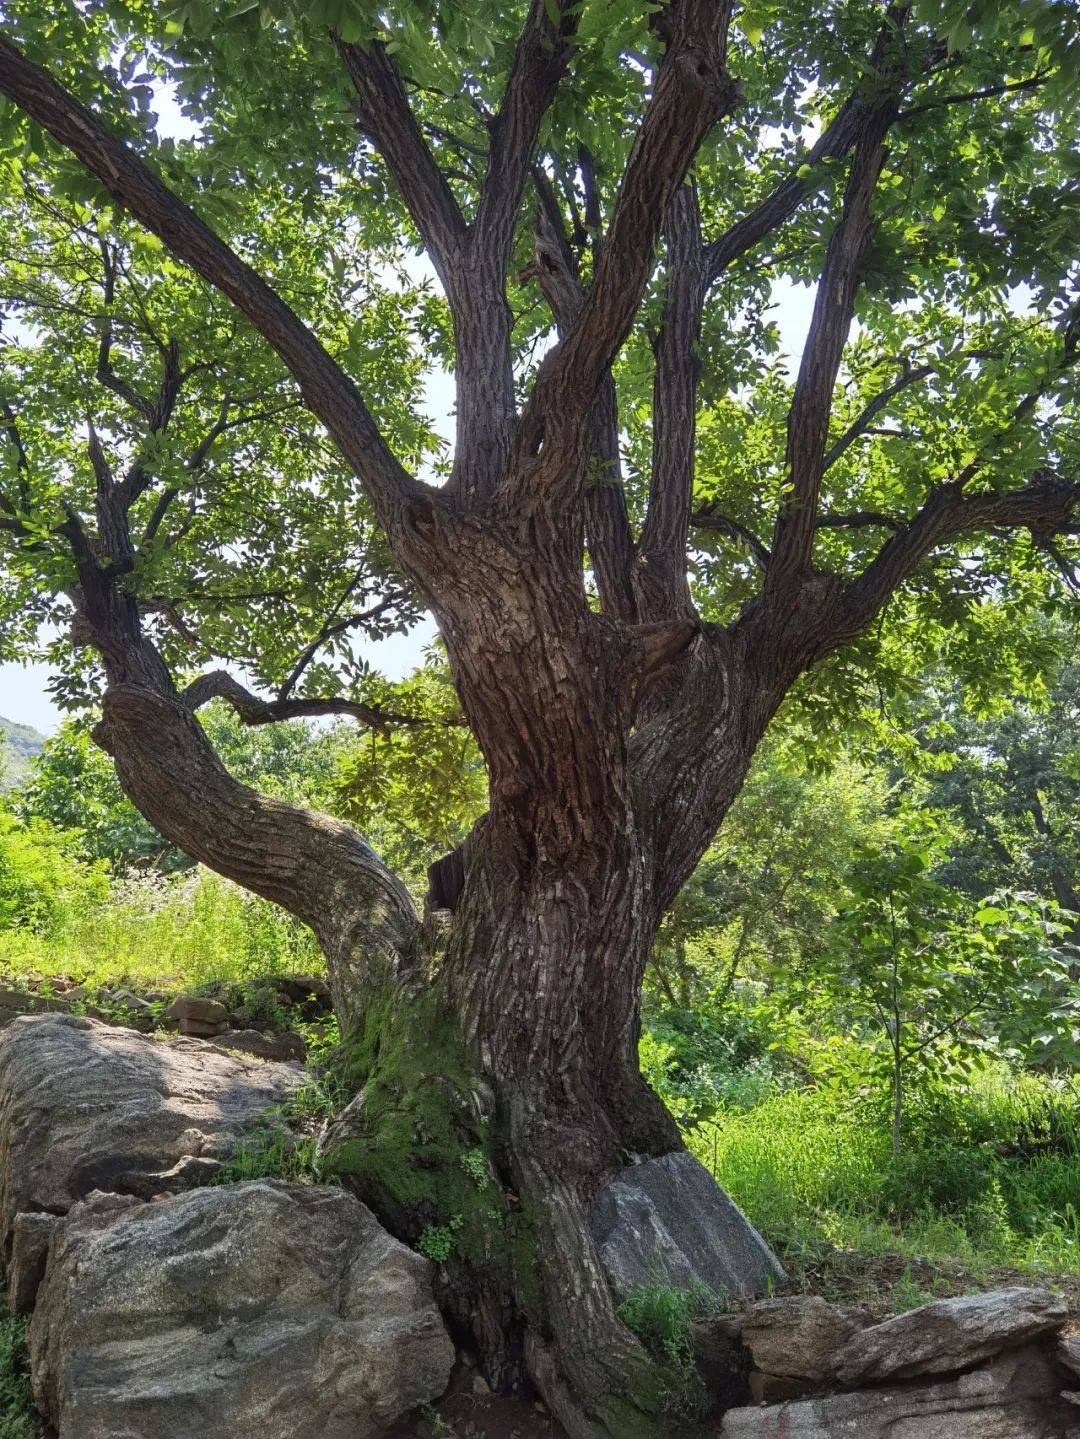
[
  {"x": 384, "y": 113},
  {"x": 1047, "y": 507},
  {"x": 808, "y": 419},
  {"x": 326, "y": 388},
  {"x": 834, "y": 141},
  {"x": 607, "y": 523},
  {"x": 662, "y": 573},
  {"x": 692, "y": 91},
  {"x": 540, "y": 59}
]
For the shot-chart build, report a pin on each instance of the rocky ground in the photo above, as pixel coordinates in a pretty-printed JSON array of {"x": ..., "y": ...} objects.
[{"x": 175, "y": 1295}]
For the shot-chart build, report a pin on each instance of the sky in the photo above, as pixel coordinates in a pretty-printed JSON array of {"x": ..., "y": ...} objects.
[{"x": 24, "y": 695}]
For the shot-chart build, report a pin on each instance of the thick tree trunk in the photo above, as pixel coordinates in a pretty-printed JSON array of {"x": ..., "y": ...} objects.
[{"x": 492, "y": 1053}]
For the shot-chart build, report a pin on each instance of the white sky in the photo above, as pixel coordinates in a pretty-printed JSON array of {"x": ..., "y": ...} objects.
[{"x": 23, "y": 696}]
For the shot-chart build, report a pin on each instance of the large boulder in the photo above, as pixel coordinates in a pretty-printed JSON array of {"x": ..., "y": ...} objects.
[
  {"x": 262, "y": 1310},
  {"x": 949, "y": 1335},
  {"x": 799, "y": 1336},
  {"x": 85, "y": 1106},
  {"x": 667, "y": 1220},
  {"x": 1015, "y": 1397}
]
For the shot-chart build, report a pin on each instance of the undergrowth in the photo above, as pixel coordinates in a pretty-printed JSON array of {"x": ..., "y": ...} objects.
[{"x": 16, "y": 1410}]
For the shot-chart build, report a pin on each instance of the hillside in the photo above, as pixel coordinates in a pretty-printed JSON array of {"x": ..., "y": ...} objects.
[{"x": 19, "y": 743}]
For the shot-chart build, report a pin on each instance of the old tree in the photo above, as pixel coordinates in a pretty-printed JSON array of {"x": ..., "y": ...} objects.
[{"x": 215, "y": 452}]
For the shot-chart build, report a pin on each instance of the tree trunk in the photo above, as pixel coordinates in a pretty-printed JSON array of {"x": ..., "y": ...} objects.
[{"x": 492, "y": 1052}]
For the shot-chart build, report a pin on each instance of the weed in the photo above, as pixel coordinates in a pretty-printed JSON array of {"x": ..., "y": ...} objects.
[
  {"x": 437, "y": 1241},
  {"x": 474, "y": 1163}
]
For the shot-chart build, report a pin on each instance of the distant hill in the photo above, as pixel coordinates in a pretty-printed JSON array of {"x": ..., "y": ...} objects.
[{"x": 19, "y": 743}]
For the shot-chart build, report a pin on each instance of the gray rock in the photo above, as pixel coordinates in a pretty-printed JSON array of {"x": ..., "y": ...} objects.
[
  {"x": 128, "y": 1000},
  {"x": 86, "y": 1106},
  {"x": 949, "y": 1334},
  {"x": 800, "y": 1336},
  {"x": 29, "y": 1250},
  {"x": 667, "y": 1220},
  {"x": 1069, "y": 1353},
  {"x": 1015, "y": 1397},
  {"x": 262, "y": 1310}
]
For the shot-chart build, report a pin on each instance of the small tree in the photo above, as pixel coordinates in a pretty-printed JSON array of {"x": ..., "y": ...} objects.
[{"x": 929, "y": 971}]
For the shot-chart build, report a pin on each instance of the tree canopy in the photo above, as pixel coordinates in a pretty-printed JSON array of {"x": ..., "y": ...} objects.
[{"x": 251, "y": 544}]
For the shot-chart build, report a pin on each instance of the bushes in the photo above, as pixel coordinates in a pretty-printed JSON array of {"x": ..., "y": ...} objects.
[{"x": 44, "y": 885}]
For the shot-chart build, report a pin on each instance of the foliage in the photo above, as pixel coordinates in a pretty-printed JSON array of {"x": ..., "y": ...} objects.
[
  {"x": 994, "y": 1184},
  {"x": 44, "y": 889},
  {"x": 16, "y": 1414},
  {"x": 416, "y": 789},
  {"x": 920, "y": 968},
  {"x": 157, "y": 931}
]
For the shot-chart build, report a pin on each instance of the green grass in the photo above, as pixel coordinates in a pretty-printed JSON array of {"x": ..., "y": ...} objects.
[
  {"x": 663, "y": 1318},
  {"x": 163, "y": 932},
  {"x": 991, "y": 1178}
]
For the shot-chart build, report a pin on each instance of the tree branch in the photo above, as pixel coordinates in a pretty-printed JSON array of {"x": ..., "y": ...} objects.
[
  {"x": 661, "y": 575},
  {"x": 862, "y": 424},
  {"x": 1047, "y": 507},
  {"x": 692, "y": 91},
  {"x": 834, "y": 141},
  {"x": 326, "y": 388},
  {"x": 1006, "y": 88},
  {"x": 708, "y": 519},
  {"x": 384, "y": 113},
  {"x": 808, "y": 418},
  {"x": 540, "y": 59},
  {"x": 607, "y": 523},
  {"x": 253, "y": 710}
]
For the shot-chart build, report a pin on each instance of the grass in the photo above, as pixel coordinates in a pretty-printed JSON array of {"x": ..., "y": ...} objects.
[
  {"x": 285, "y": 1144},
  {"x": 163, "y": 932},
  {"x": 991, "y": 1182},
  {"x": 663, "y": 1318}
]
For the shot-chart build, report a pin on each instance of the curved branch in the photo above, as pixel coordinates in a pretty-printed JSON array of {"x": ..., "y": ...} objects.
[
  {"x": 253, "y": 710},
  {"x": 326, "y": 388},
  {"x": 319, "y": 869},
  {"x": 724, "y": 525}
]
